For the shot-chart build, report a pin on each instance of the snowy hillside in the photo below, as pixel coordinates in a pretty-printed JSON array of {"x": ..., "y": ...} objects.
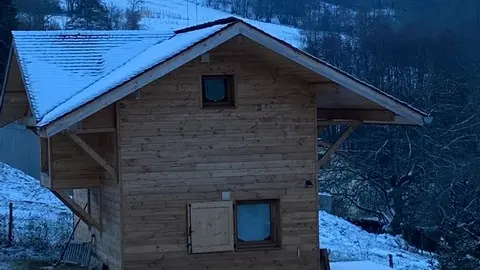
[
  {"x": 32, "y": 204},
  {"x": 348, "y": 242},
  {"x": 175, "y": 14}
]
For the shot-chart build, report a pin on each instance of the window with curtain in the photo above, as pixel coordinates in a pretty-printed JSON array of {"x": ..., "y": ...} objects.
[{"x": 257, "y": 224}]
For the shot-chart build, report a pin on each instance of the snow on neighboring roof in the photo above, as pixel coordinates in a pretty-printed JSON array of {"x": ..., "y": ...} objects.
[
  {"x": 59, "y": 64},
  {"x": 147, "y": 59}
]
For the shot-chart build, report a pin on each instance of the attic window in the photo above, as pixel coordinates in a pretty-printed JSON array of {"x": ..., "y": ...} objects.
[{"x": 217, "y": 91}]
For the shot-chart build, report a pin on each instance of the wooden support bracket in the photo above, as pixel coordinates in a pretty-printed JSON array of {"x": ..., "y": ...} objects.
[
  {"x": 92, "y": 130},
  {"x": 77, "y": 209},
  {"x": 90, "y": 151},
  {"x": 356, "y": 115},
  {"x": 327, "y": 156}
]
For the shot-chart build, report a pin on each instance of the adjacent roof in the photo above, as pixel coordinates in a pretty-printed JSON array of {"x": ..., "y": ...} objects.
[{"x": 64, "y": 70}]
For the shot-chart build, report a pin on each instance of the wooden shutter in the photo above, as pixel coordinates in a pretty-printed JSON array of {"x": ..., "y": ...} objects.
[{"x": 211, "y": 227}]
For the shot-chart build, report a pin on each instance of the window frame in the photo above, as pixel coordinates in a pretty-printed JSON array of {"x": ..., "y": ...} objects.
[
  {"x": 275, "y": 228},
  {"x": 229, "y": 91}
]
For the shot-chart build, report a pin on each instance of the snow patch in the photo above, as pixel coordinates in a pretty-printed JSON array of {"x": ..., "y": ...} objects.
[
  {"x": 175, "y": 14},
  {"x": 365, "y": 265},
  {"x": 33, "y": 205},
  {"x": 348, "y": 242}
]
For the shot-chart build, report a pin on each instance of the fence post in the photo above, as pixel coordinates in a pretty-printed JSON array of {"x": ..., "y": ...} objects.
[
  {"x": 390, "y": 260},
  {"x": 10, "y": 224}
]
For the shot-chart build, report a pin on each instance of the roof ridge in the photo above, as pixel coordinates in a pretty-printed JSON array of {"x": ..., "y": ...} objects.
[{"x": 226, "y": 20}]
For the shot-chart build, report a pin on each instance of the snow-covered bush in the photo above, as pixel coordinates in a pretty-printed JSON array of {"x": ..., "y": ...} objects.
[{"x": 43, "y": 235}]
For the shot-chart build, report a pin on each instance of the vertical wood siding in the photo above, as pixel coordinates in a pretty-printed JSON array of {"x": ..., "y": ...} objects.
[{"x": 174, "y": 152}]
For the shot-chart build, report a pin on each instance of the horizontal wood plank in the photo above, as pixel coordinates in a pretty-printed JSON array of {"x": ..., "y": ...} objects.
[{"x": 173, "y": 152}]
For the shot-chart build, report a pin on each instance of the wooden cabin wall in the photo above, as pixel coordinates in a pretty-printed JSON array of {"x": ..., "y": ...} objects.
[
  {"x": 71, "y": 166},
  {"x": 104, "y": 206},
  {"x": 102, "y": 119},
  {"x": 174, "y": 152}
]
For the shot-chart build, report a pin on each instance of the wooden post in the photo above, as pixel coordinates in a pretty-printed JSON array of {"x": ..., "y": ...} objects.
[
  {"x": 324, "y": 260},
  {"x": 10, "y": 224},
  {"x": 390, "y": 260}
]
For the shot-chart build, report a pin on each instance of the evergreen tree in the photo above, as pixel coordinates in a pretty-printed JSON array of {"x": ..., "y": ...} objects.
[
  {"x": 37, "y": 14},
  {"x": 89, "y": 15},
  {"x": 8, "y": 22}
]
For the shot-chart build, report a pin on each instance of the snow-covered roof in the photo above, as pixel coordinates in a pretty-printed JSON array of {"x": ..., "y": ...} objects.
[
  {"x": 58, "y": 65},
  {"x": 122, "y": 71},
  {"x": 64, "y": 70}
]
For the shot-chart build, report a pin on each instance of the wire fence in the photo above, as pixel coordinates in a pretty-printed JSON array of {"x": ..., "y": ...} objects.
[{"x": 33, "y": 232}]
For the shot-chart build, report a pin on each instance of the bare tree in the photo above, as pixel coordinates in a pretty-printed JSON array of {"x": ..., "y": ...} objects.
[
  {"x": 116, "y": 16},
  {"x": 133, "y": 14}
]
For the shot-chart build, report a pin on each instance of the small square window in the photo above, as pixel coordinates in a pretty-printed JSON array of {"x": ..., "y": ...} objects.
[
  {"x": 257, "y": 224},
  {"x": 217, "y": 91}
]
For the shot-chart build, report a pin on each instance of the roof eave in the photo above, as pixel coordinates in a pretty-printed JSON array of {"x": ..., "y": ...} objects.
[
  {"x": 412, "y": 115},
  {"x": 402, "y": 121}
]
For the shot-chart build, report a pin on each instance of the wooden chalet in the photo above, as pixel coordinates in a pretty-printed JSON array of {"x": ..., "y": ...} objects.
[{"x": 192, "y": 149}]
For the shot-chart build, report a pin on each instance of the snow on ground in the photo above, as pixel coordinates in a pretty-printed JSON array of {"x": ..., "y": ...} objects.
[
  {"x": 348, "y": 242},
  {"x": 365, "y": 265},
  {"x": 33, "y": 205},
  {"x": 175, "y": 14}
]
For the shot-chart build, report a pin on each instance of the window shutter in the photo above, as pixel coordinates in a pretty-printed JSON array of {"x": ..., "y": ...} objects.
[{"x": 211, "y": 227}]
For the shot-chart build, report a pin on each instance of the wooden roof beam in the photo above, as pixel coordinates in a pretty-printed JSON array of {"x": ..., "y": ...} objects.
[
  {"x": 92, "y": 130},
  {"x": 327, "y": 156},
  {"x": 77, "y": 209},
  {"x": 355, "y": 115}
]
